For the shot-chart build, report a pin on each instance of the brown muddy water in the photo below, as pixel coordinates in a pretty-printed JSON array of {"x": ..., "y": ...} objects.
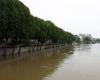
[{"x": 79, "y": 63}]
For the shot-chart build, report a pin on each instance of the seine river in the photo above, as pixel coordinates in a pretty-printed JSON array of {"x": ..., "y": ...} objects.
[{"x": 81, "y": 62}]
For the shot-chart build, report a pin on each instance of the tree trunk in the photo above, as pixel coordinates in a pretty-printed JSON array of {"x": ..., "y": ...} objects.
[
  {"x": 45, "y": 46},
  {"x": 5, "y": 47},
  {"x": 37, "y": 47},
  {"x": 13, "y": 51},
  {"x": 29, "y": 49},
  {"x": 40, "y": 47},
  {"x": 53, "y": 45},
  {"x": 33, "y": 49},
  {"x": 19, "y": 50},
  {"x": 4, "y": 51}
]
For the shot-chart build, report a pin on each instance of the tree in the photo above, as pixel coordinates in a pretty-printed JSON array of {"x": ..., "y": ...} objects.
[
  {"x": 18, "y": 27},
  {"x": 14, "y": 21},
  {"x": 69, "y": 38},
  {"x": 77, "y": 39},
  {"x": 87, "y": 40}
]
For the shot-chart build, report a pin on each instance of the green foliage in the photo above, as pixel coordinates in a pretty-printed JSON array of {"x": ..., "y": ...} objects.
[
  {"x": 77, "y": 39},
  {"x": 69, "y": 37},
  {"x": 14, "y": 20},
  {"x": 18, "y": 25},
  {"x": 97, "y": 40}
]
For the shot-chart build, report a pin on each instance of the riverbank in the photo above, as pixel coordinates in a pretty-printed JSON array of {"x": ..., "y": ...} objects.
[
  {"x": 34, "y": 67},
  {"x": 28, "y": 51}
]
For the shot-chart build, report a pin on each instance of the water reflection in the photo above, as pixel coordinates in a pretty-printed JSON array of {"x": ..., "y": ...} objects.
[
  {"x": 35, "y": 67},
  {"x": 80, "y": 66},
  {"x": 83, "y": 47}
]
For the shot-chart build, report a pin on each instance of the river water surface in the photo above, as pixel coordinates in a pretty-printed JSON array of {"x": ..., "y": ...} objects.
[{"x": 78, "y": 63}]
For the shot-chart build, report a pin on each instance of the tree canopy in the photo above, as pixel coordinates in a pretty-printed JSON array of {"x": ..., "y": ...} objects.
[{"x": 18, "y": 24}]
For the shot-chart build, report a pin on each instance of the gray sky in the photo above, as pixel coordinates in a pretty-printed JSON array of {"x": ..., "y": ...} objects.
[{"x": 76, "y": 16}]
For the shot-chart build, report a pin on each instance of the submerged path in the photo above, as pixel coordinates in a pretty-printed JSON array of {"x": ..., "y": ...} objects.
[{"x": 79, "y": 63}]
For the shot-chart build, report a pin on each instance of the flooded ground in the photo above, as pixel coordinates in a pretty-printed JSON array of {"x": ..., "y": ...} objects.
[{"x": 79, "y": 63}]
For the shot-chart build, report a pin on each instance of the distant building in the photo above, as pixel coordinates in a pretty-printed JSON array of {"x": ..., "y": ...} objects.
[{"x": 84, "y": 36}]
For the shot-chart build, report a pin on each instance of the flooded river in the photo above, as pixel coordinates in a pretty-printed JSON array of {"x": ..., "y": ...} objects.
[{"x": 78, "y": 63}]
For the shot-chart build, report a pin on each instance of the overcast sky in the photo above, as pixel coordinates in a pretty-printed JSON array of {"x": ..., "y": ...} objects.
[{"x": 76, "y": 16}]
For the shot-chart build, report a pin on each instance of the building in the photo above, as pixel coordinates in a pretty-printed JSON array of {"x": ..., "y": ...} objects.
[{"x": 84, "y": 36}]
